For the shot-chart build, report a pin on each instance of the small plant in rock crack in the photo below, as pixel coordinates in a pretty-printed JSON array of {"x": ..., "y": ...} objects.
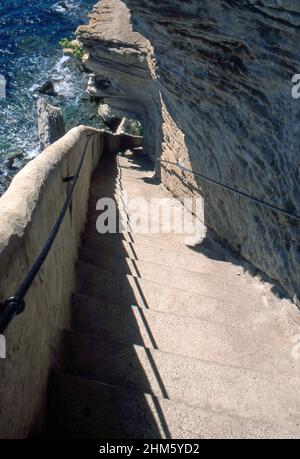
[{"x": 73, "y": 45}]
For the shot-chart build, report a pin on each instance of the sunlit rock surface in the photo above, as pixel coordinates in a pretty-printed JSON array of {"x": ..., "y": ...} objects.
[
  {"x": 211, "y": 81},
  {"x": 51, "y": 125}
]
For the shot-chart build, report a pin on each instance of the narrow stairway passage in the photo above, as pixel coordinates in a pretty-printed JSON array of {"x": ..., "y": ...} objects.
[{"x": 168, "y": 341}]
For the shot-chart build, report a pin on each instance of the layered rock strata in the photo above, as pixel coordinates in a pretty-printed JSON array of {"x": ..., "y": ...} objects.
[{"x": 211, "y": 83}]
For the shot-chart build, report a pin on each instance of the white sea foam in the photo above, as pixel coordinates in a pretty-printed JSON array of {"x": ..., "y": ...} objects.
[
  {"x": 33, "y": 152},
  {"x": 60, "y": 8},
  {"x": 33, "y": 88},
  {"x": 37, "y": 59},
  {"x": 64, "y": 78}
]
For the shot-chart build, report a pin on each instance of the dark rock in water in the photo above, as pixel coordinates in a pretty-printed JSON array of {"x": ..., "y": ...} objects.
[
  {"x": 51, "y": 125},
  {"x": 10, "y": 162},
  {"x": 63, "y": 5},
  {"x": 11, "y": 165},
  {"x": 47, "y": 89}
]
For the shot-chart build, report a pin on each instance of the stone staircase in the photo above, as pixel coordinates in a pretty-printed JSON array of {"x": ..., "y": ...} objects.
[{"x": 170, "y": 340}]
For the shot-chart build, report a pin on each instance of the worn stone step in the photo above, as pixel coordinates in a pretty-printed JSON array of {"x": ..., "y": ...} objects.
[
  {"x": 134, "y": 191},
  {"x": 133, "y": 258},
  {"x": 134, "y": 197},
  {"x": 130, "y": 221},
  {"x": 116, "y": 191},
  {"x": 80, "y": 408},
  {"x": 120, "y": 180},
  {"x": 136, "y": 162},
  {"x": 137, "y": 246},
  {"x": 233, "y": 390},
  {"x": 169, "y": 241},
  {"x": 191, "y": 337},
  {"x": 148, "y": 224},
  {"x": 152, "y": 207},
  {"x": 171, "y": 219},
  {"x": 123, "y": 172},
  {"x": 178, "y": 302},
  {"x": 175, "y": 301},
  {"x": 236, "y": 290},
  {"x": 159, "y": 245}
]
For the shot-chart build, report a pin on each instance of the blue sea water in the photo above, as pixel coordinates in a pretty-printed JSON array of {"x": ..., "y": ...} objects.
[{"x": 30, "y": 55}]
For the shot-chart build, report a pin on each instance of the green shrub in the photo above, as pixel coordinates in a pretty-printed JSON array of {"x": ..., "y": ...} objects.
[{"x": 75, "y": 47}]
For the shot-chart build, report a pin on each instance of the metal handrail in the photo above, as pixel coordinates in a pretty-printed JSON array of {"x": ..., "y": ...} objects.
[
  {"x": 15, "y": 305},
  {"x": 233, "y": 190}
]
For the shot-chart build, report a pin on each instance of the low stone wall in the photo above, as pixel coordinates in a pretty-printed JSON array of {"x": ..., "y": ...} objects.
[
  {"x": 116, "y": 142},
  {"x": 28, "y": 211}
]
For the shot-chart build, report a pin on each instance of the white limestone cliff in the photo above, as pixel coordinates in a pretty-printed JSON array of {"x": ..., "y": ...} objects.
[{"x": 211, "y": 82}]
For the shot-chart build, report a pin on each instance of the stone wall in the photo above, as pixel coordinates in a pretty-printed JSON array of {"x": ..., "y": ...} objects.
[
  {"x": 28, "y": 211},
  {"x": 211, "y": 81}
]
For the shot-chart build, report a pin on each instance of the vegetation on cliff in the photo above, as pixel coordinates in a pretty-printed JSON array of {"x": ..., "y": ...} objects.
[{"x": 73, "y": 46}]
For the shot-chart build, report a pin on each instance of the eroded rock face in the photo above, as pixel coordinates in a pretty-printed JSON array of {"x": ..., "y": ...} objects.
[
  {"x": 51, "y": 125},
  {"x": 124, "y": 78},
  {"x": 211, "y": 82}
]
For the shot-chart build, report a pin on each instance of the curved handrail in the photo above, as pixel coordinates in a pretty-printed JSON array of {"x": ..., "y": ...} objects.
[{"x": 15, "y": 305}]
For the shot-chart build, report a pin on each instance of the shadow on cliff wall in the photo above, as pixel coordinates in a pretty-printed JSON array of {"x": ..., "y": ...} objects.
[{"x": 213, "y": 245}]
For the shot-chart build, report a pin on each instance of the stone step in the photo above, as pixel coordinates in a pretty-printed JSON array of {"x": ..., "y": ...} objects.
[
  {"x": 236, "y": 290},
  {"x": 194, "y": 342},
  {"x": 120, "y": 180},
  {"x": 168, "y": 240},
  {"x": 132, "y": 222},
  {"x": 252, "y": 313},
  {"x": 171, "y": 245},
  {"x": 134, "y": 258},
  {"x": 233, "y": 390},
  {"x": 80, "y": 408},
  {"x": 154, "y": 207},
  {"x": 123, "y": 172},
  {"x": 181, "y": 303},
  {"x": 151, "y": 249},
  {"x": 116, "y": 191},
  {"x": 147, "y": 223},
  {"x": 172, "y": 218},
  {"x": 186, "y": 336},
  {"x": 133, "y": 198},
  {"x": 144, "y": 191},
  {"x": 136, "y": 162}
]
